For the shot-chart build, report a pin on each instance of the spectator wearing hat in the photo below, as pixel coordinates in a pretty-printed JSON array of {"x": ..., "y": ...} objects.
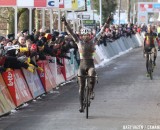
[
  {"x": 25, "y": 32},
  {"x": 11, "y": 36}
]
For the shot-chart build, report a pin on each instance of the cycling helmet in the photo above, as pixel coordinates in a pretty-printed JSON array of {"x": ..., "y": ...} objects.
[{"x": 85, "y": 31}]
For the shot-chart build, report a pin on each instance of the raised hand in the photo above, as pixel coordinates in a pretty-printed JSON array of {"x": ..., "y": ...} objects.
[{"x": 110, "y": 18}]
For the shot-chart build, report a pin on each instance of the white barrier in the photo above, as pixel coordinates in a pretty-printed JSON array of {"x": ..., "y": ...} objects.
[
  {"x": 118, "y": 46},
  {"x": 56, "y": 71},
  {"x": 34, "y": 83}
]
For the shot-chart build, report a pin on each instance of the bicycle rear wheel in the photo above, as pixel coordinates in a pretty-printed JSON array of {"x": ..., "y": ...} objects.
[{"x": 87, "y": 102}]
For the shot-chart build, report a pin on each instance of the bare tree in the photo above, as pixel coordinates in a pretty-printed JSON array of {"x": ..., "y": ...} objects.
[
  {"x": 128, "y": 10},
  {"x": 7, "y": 16}
]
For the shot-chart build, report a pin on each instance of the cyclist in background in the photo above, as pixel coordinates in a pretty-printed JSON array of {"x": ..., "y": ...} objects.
[
  {"x": 86, "y": 47},
  {"x": 158, "y": 30},
  {"x": 149, "y": 44}
]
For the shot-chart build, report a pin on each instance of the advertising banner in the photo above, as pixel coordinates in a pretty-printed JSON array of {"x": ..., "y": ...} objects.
[
  {"x": 70, "y": 67},
  {"x": 68, "y": 4},
  {"x": 61, "y": 3},
  {"x": 40, "y": 3},
  {"x": 17, "y": 86},
  {"x": 7, "y": 3},
  {"x": 5, "y": 92},
  {"x": 156, "y": 7},
  {"x": 56, "y": 71},
  {"x": 4, "y": 106},
  {"x": 82, "y": 5},
  {"x": 142, "y": 17},
  {"x": 52, "y": 3},
  {"x": 34, "y": 83},
  {"x": 22, "y": 85},
  {"x": 50, "y": 75},
  {"x": 27, "y": 3},
  {"x": 9, "y": 79},
  {"x": 46, "y": 77},
  {"x": 151, "y": 11},
  {"x": 63, "y": 68},
  {"x": 76, "y": 5},
  {"x": 146, "y": 7}
]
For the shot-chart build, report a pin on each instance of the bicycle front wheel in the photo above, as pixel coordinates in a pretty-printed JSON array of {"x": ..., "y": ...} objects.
[
  {"x": 87, "y": 102},
  {"x": 150, "y": 69}
]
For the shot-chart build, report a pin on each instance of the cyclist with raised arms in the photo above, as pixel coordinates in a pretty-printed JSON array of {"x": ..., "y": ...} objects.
[
  {"x": 86, "y": 47},
  {"x": 149, "y": 44}
]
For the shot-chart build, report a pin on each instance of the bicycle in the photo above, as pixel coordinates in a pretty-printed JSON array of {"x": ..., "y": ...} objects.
[
  {"x": 149, "y": 63},
  {"x": 87, "y": 92}
]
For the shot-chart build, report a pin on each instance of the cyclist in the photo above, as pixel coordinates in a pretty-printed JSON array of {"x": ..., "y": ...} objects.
[
  {"x": 158, "y": 30},
  {"x": 86, "y": 47},
  {"x": 149, "y": 45}
]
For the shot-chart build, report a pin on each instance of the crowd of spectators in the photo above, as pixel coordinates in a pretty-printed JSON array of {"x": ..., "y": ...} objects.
[
  {"x": 27, "y": 49},
  {"x": 114, "y": 32}
]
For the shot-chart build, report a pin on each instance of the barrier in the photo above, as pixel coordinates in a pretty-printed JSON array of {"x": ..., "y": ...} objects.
[
  {"x": 69, "y": 66},
  {"x": 126, "y": 44},
  {"x": 46, "y": 76},
  {"x": 76, "y": 62},
  {"x": 6, "y": 94},
  {"x": 129, "y": 40},
  {"x": 135, "y": 40},
  {"x": 34, "y": 83},
  {"x": 4, "y": 107},
  {"x": 6, "y": 102},
  {"x": 17, "y": 86},
  {"x": 97, "y": 58},
  {"x": 111, "y": 51},
  {"x": 123, "y": 45},
  {"x": 140, "y": 39},
  {"x": 56, "y": 70},
  {"x": 118, "y": 47},
  {"x": 101, "y": 51},
  {"x": 114, "y": 47},
  {"x": 63, "y": 69}
]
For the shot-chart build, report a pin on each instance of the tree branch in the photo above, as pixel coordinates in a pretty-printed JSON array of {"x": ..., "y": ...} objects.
[
  {"x": 2, "y": 17},
  {"x": 21, "y": 11}
]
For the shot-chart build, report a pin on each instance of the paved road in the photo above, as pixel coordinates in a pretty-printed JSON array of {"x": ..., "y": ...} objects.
[{"x": 125, "y": 97}]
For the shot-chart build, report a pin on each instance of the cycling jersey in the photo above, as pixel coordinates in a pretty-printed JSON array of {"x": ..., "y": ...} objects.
[{"x": 150, "y": 39}]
